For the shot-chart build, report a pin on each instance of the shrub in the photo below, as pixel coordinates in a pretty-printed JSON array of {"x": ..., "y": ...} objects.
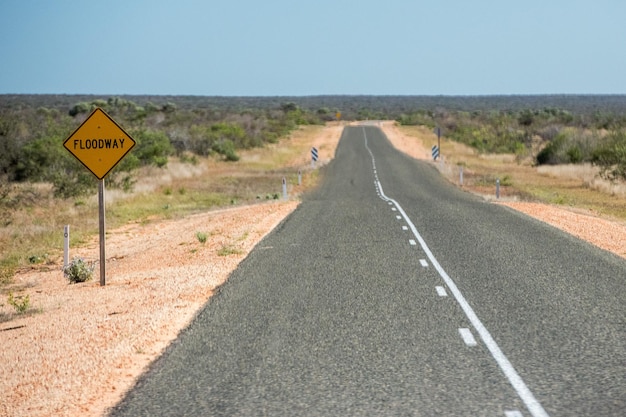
[
  {"x": 611, "y": 157},
  {"x": 202, "y": 237},
  {"x": 226, "y": 148},
  {"x": 78, "y": 271},
  {"x": 20, "y": 304}
]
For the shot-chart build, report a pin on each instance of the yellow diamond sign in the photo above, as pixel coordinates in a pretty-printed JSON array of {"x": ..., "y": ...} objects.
[{"x": 99, "y": 143}]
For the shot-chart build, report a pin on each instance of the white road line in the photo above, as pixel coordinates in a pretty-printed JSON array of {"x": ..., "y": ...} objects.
[
  {"x": 516, "y": 381},
  {"x": 513, "y": 413},
  {"x": 405, "y": 228},
  {"x": 441, "y": 291},
  {"x": 394, "y": 209},
  {"x": 468, "y": 337},
  {"x": 412, "y": 242},
  {"x": 398, "y": 217},
  {"x": 424, "y": 263}
]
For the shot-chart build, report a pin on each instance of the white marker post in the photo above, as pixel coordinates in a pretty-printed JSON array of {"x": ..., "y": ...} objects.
[
  {"x": 284, "y": 188},
  {"x": 66, "y": 245},
  {"x": 299, "y": 177},
  {"x": 498, "y": 188},
  {"x": 461, "y": 176}
]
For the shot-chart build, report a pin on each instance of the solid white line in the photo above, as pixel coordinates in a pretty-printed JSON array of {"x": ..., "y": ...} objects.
[
  {"x": 412, "y": 242},
  {"x": 441, "y": 291},
  {"x": 424, "y": 263},
  {"x": 533, "y": 405},
  {"x": 513, "y": 413},
  {"x": 468, "y": 337}
]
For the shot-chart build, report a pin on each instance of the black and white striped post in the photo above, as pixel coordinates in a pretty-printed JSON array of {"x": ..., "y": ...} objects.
[
  {"x": 435, "y": 152},
  {"x": 314, "y": 156},
  {"x": 299, "y": 177}
]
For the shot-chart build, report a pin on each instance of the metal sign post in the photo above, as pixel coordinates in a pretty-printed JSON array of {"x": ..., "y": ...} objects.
[
  {"x": 102, "y": 224},
  {"x": 439, "y": 139}
]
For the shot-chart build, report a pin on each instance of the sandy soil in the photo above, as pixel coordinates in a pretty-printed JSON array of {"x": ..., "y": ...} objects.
[{"x": 88, "y": 343}]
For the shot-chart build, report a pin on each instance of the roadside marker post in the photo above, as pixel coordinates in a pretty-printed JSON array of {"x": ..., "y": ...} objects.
[
  {"x": 435, "y": 152},
  {"x": 314, "y": 156},
  {"x": 99, "y": 143},
  {"x": 66, "y": 245},
  {"x": 461, "y": 176},
  {"x": 299, "y": 177},
  {"x": 284, "y": 188},
  {"x": 498, "y": 188}
]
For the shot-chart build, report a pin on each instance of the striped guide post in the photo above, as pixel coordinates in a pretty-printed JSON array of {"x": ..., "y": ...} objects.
[
  {"x": 314, "y": 156},
  {"x": 435, "y": 152}
]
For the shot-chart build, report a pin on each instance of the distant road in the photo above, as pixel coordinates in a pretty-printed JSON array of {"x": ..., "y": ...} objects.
[{"x": 389, "y": 292}]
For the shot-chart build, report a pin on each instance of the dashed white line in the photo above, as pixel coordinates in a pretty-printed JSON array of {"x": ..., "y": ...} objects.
[
  {"x": 405, "y": 228},
  {"x": 468, "y": 337},
  {"x": 513, "y": 413},
  {"x": 532, "y": 404},
  {"x": 441, "y": 291},
  {"x": 398, "y": 217},
  {"x": 394, "y": 209},
  {"x": 424, "y": 262},
  {"x": 412, "y": 242}
]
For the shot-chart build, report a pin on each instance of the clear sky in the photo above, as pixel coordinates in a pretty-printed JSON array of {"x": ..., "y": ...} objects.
[{"x": 315, "y": 47}]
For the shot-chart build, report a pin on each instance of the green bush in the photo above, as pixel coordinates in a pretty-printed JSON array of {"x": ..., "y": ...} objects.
[
  {"x": 78, "y": 271},
  {"x": 20, "y": 304},
  {"x": 202, "y": 237},
  {"x": 226, "y": 148},
  {"x": 153, "y": 147},
  {"x": 611, "y": 156}
]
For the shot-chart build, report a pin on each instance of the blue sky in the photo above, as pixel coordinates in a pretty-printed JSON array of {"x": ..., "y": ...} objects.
[{"x": 289, "y": 47}]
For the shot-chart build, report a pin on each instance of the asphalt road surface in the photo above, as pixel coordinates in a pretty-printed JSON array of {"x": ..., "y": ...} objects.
[{"x": 389, "y": 292}]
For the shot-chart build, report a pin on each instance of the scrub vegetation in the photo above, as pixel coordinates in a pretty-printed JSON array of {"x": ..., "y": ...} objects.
[{"x": 43, "y": 187}]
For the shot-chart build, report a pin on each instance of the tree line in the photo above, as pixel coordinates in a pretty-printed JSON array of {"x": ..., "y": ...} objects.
[
  {"x": 31, "y": 137},
  {"x": 549, "y": 129}
]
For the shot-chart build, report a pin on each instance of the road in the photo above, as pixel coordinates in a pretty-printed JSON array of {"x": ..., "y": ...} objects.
[{"x": 390, "y": 292}]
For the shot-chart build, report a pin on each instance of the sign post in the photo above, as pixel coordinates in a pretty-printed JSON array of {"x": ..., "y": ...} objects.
[
  {"x": 438, "y": 132},
  {"x": 99, "y": 144}
]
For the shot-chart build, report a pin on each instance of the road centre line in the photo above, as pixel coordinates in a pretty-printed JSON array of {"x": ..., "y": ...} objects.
[
  {"x": 468, "y": 337},
  {"x": 441, "y": 292},
  {"x": 513, "y": 413},
  {"x": 424, "y": 263},
  {"x": 405, "y": 228},
  {"x": 534, "y": 407}
]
